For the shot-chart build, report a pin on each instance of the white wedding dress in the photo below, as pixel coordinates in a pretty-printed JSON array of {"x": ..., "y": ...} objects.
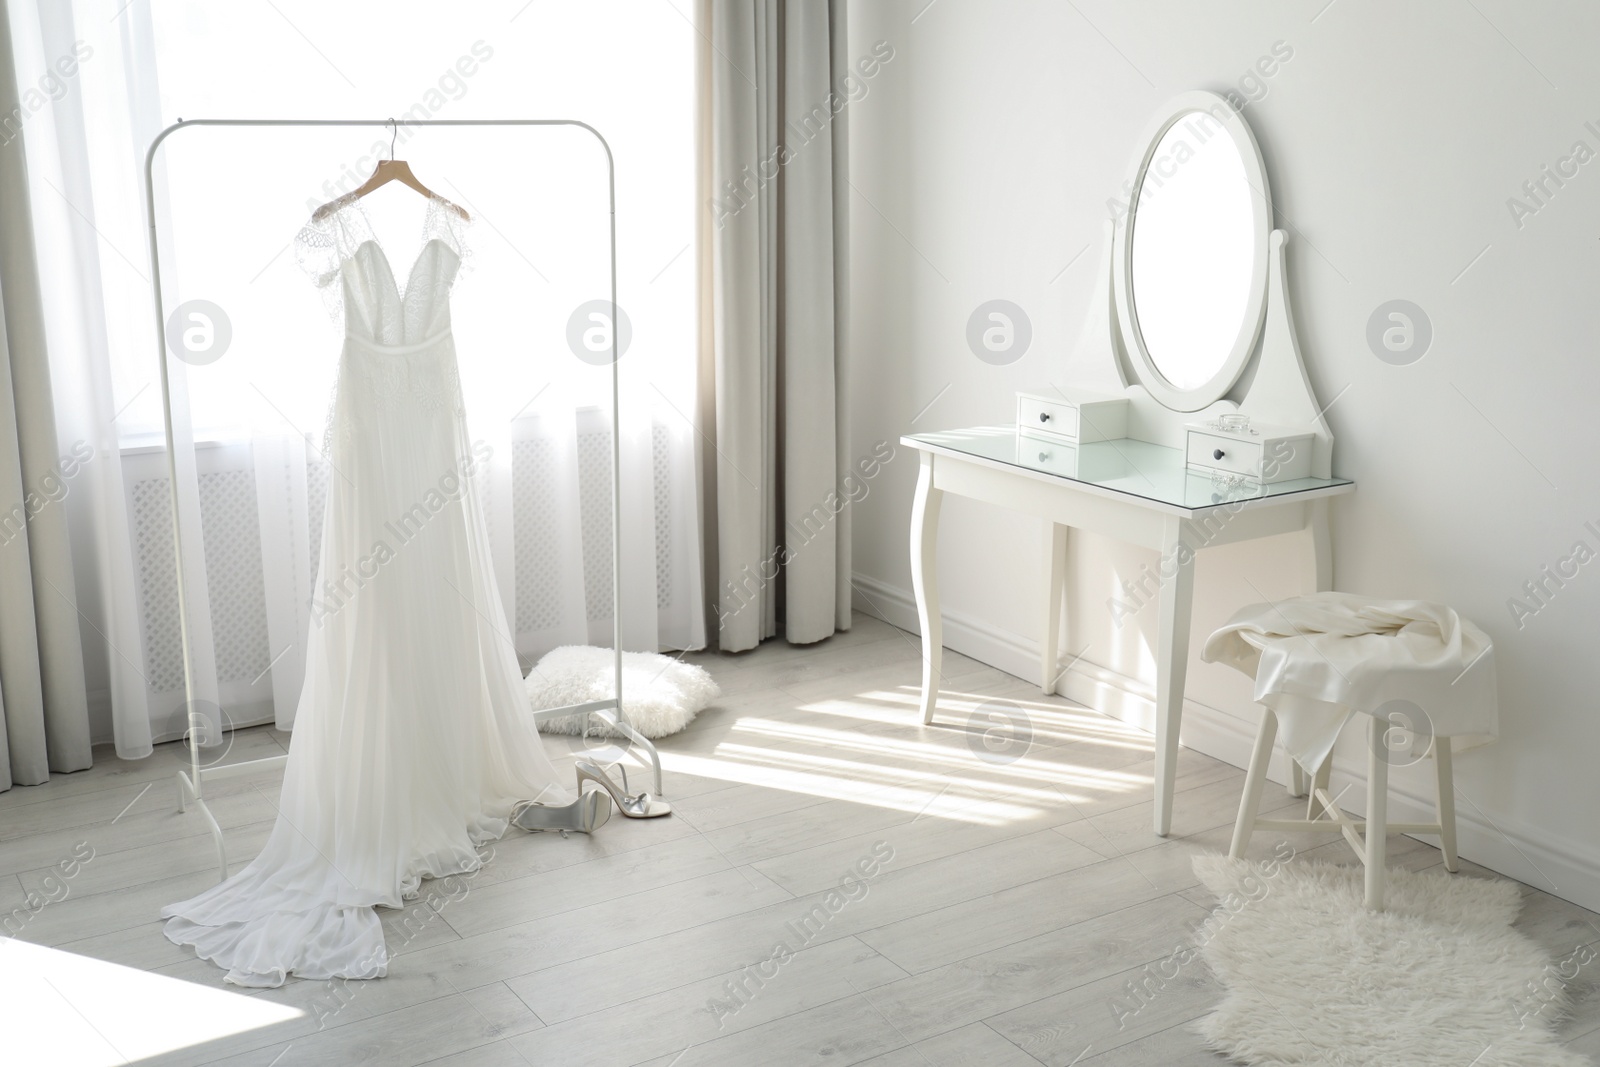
[{"x": 412, "y": 739}]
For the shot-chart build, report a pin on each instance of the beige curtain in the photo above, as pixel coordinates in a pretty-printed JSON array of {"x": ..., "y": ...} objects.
[
  {"x": 773, "y": 157},
  {"x": 44, "y": 714}
]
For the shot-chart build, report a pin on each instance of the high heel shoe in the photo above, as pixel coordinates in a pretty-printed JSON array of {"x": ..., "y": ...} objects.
[
  {"x": 632, "y": 806},
  {"x": 584, "y": 815}
]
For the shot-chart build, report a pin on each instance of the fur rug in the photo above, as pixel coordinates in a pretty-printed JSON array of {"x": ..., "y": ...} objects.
[
  {"x": 660, "y": 695},
  {"x": 1313, "y": 978}
]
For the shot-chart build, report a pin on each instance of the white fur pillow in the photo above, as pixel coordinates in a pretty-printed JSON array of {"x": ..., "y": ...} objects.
[{"x": 660, "y": 695}]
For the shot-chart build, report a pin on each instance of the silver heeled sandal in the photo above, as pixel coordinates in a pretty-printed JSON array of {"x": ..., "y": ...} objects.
[
  {"x": 632, "y": 806},
  {"x": 583, "y": 816}
]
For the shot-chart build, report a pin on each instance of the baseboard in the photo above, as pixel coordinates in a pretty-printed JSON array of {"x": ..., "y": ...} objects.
[{"x": 1567, "y": 869}]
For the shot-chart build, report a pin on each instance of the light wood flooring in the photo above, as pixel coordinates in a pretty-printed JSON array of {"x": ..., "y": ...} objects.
[{"x": 1016, "y": 893}]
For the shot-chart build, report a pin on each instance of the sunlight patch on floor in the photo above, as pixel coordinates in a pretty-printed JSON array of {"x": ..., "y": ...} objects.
[
  {"x": 1055, "y": 722},
  {"x": 1026, "y": 768},
  {"x": 772, "y": 772},
  {"x": 68, "y": 1010},
  {"x": 1043, "y": 798}
]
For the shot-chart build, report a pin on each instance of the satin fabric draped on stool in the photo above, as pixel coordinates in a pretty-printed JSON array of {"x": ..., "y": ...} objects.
[{"x": 1423, "y": 675}]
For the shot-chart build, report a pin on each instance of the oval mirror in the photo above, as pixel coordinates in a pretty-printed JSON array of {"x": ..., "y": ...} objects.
[{"x": 1192, "y": 256}]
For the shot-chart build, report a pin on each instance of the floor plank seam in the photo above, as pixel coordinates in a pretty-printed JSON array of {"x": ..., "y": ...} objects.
[
  {"x": 621, "y": 1005},
  {"x": 1174, "y": 895},
  {"x": 157, "y": 778},
  {"x": 985, "y": 1023},
  {"x": 586, "y": 904},
  {"x": 1166, "y": 1029},
  {"x": 231, "y": 831}
]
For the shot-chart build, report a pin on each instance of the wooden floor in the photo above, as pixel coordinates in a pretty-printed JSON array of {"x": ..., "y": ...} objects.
[{"x": 1013, "y": 892}]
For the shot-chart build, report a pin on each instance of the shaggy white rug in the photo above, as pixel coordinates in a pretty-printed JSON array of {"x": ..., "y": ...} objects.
[
  {"x": 660, "y": 695},
  {"x": 1313, "y": 978}
]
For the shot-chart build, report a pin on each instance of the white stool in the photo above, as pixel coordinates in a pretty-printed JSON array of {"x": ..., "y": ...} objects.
[{"x": 1367, "y": 836}]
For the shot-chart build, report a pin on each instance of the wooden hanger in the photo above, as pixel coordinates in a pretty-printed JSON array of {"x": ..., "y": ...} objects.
[{"x": 388, "y": 170}]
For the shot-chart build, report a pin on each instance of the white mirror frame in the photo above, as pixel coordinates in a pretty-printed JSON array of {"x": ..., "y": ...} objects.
[{"x": 1261, "y": 216}]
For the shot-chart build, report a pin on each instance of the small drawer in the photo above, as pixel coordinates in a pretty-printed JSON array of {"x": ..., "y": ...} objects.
[
  {"x": 1219, "y": 453},
  {"x": 1264, "y": 453},
  {"x": 1072, "y": 414},
  {"x": 1058, "y": 419}
]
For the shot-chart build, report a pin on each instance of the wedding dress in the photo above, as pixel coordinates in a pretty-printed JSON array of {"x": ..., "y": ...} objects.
[{"x": 412, "y": 739}]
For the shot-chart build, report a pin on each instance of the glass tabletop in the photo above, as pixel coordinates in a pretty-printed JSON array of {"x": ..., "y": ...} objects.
[{"x": 1136, "y": 468}]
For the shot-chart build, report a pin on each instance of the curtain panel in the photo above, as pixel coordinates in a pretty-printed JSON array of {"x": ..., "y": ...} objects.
[
  {"x": 774, "y": 283},
  {"x": 44, "y": 713},
  {"x": 85, "y": 99}
]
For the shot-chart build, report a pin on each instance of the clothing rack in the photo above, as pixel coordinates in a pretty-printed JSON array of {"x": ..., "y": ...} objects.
[{"x": 191, "y": 783}]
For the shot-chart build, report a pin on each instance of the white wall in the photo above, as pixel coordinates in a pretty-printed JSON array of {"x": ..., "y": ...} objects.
[{"x": 1394, "y": 136}]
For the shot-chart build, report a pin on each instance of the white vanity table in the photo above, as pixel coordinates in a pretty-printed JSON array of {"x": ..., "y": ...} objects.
[
  {"x": 1131, "y": 490},
  {"x": 1184, "y": 418}
]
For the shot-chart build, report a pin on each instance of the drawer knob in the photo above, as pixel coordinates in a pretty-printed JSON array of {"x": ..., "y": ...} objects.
[
  {"x": 1043, "y": 456},
  {"x": 1217, "y": 454},
  {"x": 1044, "y": 416}
]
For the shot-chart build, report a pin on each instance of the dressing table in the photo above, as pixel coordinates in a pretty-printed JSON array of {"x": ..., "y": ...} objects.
[{"x": 1184, "y": 418}]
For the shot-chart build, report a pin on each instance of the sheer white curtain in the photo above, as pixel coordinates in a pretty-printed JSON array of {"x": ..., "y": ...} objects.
[
  {"x": 249, "y": 421},
  {"x": 77, "y": 83}
]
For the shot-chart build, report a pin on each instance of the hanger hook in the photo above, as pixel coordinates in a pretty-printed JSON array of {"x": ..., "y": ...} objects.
[{"x": 394, "y": 135}]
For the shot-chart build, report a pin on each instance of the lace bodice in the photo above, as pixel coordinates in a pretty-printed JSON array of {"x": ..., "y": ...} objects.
[
  {"x": 345, "y": 261},
  {"x": 397, "y": 371}
]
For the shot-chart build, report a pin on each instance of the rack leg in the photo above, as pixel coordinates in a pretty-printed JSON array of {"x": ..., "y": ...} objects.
[
  {"x": 186, "y": 793},
  {"x": 216, "y": 833},
  {"x": 613, "y": 718}
]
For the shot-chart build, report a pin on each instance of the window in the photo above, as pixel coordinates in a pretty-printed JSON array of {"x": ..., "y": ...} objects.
[{"x": 230, "y": 203}]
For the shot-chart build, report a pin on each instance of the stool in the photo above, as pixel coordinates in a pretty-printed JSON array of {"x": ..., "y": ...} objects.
[
  {"x": 1319, "y": 661},
  {"x": 1366, "y": 836}
]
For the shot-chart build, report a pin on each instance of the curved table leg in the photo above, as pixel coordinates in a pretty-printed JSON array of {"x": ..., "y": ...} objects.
[
  {"x": 1172, "y": 662},
  {"x": 925, "y": 581}
]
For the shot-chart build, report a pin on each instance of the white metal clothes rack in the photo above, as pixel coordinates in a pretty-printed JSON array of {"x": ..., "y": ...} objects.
[{"x": 191, "y": 783}]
